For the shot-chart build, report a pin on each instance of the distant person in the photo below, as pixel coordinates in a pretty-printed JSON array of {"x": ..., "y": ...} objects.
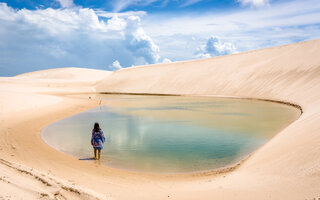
[{"x": 97, "y": 140}]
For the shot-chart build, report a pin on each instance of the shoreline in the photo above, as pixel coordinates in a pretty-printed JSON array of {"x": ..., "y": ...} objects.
[
  {"x": 216, "y": 172},
  {"x": 87, "y": 105},
  {"x": 286, "y": 167},
  {"x": 214, "y": 96}
]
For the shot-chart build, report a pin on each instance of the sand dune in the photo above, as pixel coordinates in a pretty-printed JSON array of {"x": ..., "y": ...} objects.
[
  {"x": 287, "y": 167},
  {"x": 71, "y": 74},
  {"x": 25, "y": 100}
]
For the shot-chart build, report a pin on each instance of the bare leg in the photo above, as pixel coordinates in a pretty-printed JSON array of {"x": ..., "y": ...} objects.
[
  {"x": 95, "y": 153},
  {"x": 99, "y": 151}
]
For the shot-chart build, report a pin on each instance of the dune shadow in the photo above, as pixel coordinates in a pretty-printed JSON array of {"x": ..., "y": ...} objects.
[{"x": 92, "y": 158}]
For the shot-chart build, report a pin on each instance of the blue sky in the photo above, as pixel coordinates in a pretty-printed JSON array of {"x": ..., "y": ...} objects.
[
  {"x": 150, "y": 6},
  {"x": 110, "y": 35}
]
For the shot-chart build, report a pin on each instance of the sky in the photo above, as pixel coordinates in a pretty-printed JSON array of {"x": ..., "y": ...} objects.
[{"x": 110, "y": 35}]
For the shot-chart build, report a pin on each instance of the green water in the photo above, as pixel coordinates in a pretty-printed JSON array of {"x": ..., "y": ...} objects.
[{"x": 171, "y": 134}]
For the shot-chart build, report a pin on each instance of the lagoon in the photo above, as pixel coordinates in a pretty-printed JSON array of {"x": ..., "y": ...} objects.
[{"x": 172, "y": 134}]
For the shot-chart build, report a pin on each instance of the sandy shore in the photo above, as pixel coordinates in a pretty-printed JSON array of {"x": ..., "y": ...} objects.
[{"x": 287, "y": 167}]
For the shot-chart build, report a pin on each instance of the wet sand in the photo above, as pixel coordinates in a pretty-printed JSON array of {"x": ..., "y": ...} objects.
[{"x": 287, "y": 167}]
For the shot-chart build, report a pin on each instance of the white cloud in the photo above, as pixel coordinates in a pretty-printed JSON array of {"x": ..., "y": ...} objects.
[
  {"x": 78, "y": 37},
  {"x": 66, "y": 3},
  {"x": 102, "y": 13},
  {"x": 293, "y": 13},
  {"x": 215, "y": 47},
  {"x": 120, "y": 5},
  {"x": 140, "y": 43},
  {"x": 189, "y": 3},
  {"x": 115, "y": 65},
  {"x": 166, "y": 60},
  {"x": 47, "y": 38},
  {"x": 281, "y": 23},
  {"x": 254, "y": 3}
]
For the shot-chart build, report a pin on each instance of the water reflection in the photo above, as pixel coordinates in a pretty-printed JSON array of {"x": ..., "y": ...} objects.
[{"x": 171, "y": 134}]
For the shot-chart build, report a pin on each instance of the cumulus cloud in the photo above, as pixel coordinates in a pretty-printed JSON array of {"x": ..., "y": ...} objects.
[
  {"x": 115, "y": 65},
  {"x": 166, "y": 60},
  {"x": 66, "y": 3},
  {"x": 254, "y": 3},
  {"x": 178, "y": 36},
  {"x": 215, "y": 47},
  {"x": 77, "y": 37},
  {"x": 140, "y": 43}
]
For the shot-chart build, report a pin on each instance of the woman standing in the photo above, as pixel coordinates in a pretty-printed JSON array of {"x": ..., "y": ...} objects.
[{"x": 97, "y": 140}]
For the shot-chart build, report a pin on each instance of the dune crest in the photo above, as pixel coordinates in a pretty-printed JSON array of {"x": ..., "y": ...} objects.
[
  {"x": 69, "y": 73},
  {"x": 287, "y": 167},
  {"x": 289, "y": 73}
]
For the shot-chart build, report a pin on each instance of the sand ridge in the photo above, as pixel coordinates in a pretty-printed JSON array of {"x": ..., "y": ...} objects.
[{"x": 287, "y": 167}]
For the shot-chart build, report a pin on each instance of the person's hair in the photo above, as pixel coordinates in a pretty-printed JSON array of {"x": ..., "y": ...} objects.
[{"x": 96, "y": 127}]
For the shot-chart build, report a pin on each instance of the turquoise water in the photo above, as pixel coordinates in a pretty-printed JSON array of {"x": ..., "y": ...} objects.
[{"x": 171, "y": 134}]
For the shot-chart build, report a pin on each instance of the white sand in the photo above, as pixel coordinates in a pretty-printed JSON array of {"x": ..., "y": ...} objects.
[{"x": 287, "y": 167}]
